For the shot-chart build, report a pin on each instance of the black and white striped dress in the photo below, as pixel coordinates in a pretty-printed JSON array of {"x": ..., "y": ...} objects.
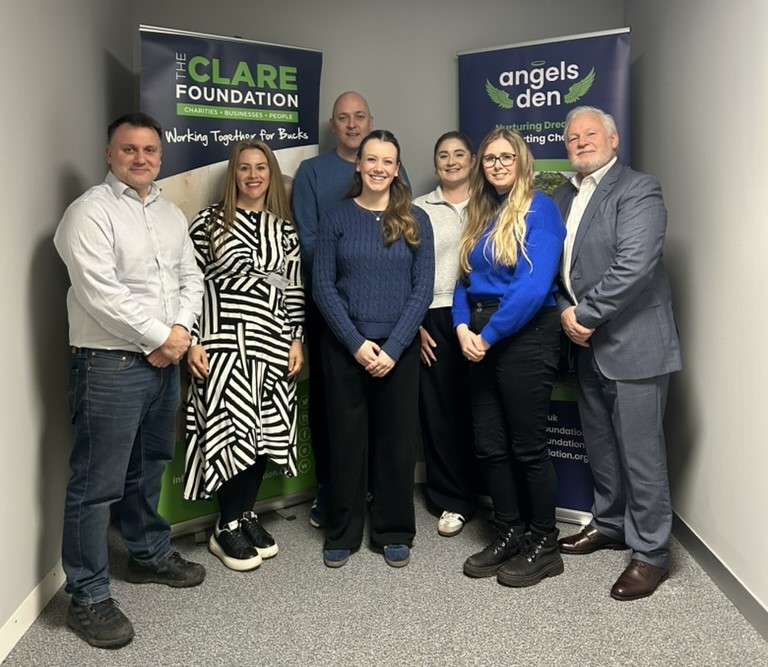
[{"x": 247, "y": 405}]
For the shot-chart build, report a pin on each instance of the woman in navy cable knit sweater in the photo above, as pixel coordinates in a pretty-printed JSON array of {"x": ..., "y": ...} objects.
[
  {"x": 505, "y": 317},
  {"x": 372, "y": 280}
]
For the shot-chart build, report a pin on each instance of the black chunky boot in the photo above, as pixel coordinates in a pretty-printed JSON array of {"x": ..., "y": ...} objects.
[
  {"x": 539, "y": 557},
  {"x": 487, "y": 562}
]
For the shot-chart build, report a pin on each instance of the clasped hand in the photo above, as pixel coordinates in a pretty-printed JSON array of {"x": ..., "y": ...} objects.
[
  {"x": 577, "y": 333},
  {"x": 473, "y": 347},
  {"x": 375, "y": 361},
  {"x": 173, "y": 349}
]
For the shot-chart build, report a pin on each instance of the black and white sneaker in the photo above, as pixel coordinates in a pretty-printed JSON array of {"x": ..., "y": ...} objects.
[
  {"x": 233, "y": 548},
  {"x": 258, "y": 535},
  {"x": 102, "y": 624}
]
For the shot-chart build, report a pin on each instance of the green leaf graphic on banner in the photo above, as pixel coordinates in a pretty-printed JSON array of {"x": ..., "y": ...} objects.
[
  {"x": 580, "y": 88},
  {"x": 498, "y": 96}
]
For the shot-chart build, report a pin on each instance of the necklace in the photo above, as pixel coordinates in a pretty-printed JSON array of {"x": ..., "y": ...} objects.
[{"x": 375, "y": 214}]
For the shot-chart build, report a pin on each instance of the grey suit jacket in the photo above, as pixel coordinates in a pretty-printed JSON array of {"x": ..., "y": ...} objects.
[{"x": 618, "y": 276}]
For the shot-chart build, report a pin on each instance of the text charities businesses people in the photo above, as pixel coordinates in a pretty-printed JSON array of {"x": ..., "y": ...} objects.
[
  {"x": 616, "y": 308},
  {"x": 136, "y": 292},
  {"x": 320, "y": 183}
]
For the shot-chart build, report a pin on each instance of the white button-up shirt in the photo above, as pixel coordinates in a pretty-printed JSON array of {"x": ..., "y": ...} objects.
[
  {"x": 585, "y": 189},
  {"x": 132, "y": 268}
]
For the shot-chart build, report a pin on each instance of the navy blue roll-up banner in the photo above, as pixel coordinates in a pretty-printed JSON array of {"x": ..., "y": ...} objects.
[
  {"x": 208, "y": 93},
  {"x": 530, "y": 88}
]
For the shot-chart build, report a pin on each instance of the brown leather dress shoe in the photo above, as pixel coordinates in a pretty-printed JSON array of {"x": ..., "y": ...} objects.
[
  {"x": 587, "y": 540},
  {"x": 639, "y": 580}
]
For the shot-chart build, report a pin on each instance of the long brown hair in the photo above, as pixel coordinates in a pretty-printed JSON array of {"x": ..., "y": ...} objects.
[
  {"x": 275, "y": 201},
  {"x": 397, "y": 220},
  {"x": 507, "y": 240}
]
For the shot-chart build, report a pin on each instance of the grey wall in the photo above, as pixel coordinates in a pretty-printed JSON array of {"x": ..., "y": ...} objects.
[
  {"x": 67, "y": 72},
  {"x": 700, "y": 95}
]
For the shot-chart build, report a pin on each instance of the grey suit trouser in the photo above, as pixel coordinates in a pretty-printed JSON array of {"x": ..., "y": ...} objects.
[{"x": 622, "y": 422}]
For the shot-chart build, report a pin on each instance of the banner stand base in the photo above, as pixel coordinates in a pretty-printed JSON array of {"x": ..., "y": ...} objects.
[{"x": 573, "y": 516}]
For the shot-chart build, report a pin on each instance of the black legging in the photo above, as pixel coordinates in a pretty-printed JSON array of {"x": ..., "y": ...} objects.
[{"x": 238, "y": 494}]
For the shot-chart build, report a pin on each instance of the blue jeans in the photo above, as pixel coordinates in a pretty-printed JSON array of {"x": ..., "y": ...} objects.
[{"x": 124, "y": 412}]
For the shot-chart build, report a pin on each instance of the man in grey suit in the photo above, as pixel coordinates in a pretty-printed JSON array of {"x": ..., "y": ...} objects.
[{"x": 616, "y": 308}]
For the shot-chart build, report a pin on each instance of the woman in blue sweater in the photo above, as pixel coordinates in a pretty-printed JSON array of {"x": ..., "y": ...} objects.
[
  {"x": 372, "y": 280},
  {"x": 505, "y": 317}
]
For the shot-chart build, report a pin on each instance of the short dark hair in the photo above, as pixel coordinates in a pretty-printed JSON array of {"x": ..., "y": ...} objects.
[{"x": 137, "y": 119}]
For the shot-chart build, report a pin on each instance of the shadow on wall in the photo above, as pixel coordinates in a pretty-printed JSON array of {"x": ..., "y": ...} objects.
[
  {"x": 683, "y": 414},
  {"x": 49, "y": 358}
]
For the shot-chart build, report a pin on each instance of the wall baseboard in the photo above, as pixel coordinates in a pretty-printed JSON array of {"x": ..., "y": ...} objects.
[
  {"x": 735, "y": 591},
  {"x": 23, "y": 618}
]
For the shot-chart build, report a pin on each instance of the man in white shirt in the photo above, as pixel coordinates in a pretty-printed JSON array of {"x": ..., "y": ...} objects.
[{"x": 136, "y": 291}]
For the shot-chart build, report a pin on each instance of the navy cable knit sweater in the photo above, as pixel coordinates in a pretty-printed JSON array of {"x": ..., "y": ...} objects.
[{"x": 367, "y": 290}]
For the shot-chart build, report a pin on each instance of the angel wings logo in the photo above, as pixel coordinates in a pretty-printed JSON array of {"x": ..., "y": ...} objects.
[{"x": 537, "y": 87}]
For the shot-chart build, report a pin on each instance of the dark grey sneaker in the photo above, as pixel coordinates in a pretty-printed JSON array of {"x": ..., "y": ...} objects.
[
  {"x": 102, "y": 624},
  {"x": 174, "y": 571},
  {"x": 258, "y": 535},
  {"x": 539, "y": 557},
  {"x": 487, "y": 562}
]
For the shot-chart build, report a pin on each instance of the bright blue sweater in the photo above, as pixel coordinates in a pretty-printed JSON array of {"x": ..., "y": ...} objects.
[
  {"x": 520, "y": 290},
  {"x": 367, "y": 290}
]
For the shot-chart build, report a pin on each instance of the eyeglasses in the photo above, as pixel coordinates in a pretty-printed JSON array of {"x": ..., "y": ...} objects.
[{"x": 506, "y": 159}]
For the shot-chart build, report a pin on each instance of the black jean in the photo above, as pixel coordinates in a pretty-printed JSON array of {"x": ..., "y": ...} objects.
[{"x": 510, "y": 391}]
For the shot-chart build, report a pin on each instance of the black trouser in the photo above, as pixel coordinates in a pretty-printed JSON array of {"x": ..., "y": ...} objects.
[
  {"x": 510, "y": 391},
  {"x": 387, "y": 408},
  {"x": 318, "y": 420},
  {"x": 446, "y": 420}
]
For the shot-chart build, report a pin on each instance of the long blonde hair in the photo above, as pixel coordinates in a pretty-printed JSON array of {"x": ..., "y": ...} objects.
[
  {"x": 276, "y": 201},
  {"x": 507, "y": 239},
  {"x": 397, "y": 219}
]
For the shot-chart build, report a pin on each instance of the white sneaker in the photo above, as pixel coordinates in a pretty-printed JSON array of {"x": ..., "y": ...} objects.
[{"x": 450, "y": 524}]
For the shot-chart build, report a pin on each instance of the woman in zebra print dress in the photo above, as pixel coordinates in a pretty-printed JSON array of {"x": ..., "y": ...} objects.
[{"x": 246, "y": 352}]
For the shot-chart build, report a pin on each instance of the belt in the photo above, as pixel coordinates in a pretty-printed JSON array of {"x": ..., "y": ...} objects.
[
  {"x": 93, "y": 350},
  {"x": 485, "y": 305}
]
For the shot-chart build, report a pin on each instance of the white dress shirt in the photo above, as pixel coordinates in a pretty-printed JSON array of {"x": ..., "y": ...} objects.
[
  {"x": 132, "y": 268},
  {"x": 585, "y": 187}
]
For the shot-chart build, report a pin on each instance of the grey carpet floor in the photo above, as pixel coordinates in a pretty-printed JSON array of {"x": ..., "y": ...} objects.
[{"x": 294, "y": 611}]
